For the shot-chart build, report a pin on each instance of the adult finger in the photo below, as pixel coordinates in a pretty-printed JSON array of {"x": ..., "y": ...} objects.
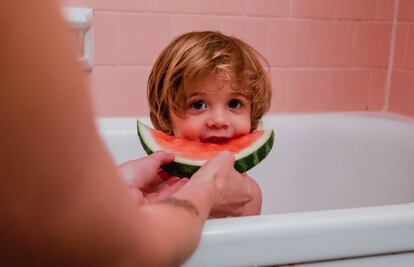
[
  {"x": 220, "y": 162},
  {"x": 166, "y": 189},
  {"x": 161, "y": 157},
  {"x": 164, "y": 175},
  {"x": 224, "y": 157}
]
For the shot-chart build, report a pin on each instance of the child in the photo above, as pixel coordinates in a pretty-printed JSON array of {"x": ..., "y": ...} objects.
[{"x": 209, "y": 87}]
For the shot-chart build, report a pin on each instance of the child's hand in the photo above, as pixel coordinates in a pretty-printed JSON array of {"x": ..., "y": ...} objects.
[{"x": 145, "y": 179}]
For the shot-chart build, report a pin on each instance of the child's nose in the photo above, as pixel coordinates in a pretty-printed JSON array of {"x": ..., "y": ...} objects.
[{"x": 218, "y": 119}]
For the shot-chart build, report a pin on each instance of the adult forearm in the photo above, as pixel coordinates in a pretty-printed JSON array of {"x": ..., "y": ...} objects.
[
  {"x": 174, "y": 226},
  {"x": 172, "y": 235},
  {"x": 62, "y": 202}
]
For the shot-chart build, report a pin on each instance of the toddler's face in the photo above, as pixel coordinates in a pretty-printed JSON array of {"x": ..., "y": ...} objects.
[{"x": 214, "y": 113}]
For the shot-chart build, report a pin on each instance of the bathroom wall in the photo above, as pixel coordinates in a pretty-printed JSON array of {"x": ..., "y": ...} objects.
[
  {"x": 325, "y": 55},
  {"x": 401, "y": 98}
]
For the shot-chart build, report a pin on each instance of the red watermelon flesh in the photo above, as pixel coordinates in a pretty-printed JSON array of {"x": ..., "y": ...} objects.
[{"x": 248, "y": 150}]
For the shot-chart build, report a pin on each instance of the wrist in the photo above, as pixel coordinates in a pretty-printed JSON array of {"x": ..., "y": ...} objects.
[
  {"x": 201, "y": 194},
  {"x": 182, "y": 203}
]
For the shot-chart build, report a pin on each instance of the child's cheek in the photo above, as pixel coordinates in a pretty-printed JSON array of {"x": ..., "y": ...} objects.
[
  {"x": 192, "y": 134},
  {"x": 188, "y": 130}
]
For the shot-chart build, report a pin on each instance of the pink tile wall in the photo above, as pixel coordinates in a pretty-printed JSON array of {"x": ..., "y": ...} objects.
[
  {"x": 119, "y": 91},
  {"x": 325, "y": 55},
  {"x": 308, "y": 90},
  {"x": 401, "y": 97}
]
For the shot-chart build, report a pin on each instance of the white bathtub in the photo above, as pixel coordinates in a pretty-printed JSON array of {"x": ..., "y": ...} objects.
[{"x": 337, "y": 191}]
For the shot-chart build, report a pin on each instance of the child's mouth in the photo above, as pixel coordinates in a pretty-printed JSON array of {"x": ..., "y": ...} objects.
[{"x": 216, "y": 139}]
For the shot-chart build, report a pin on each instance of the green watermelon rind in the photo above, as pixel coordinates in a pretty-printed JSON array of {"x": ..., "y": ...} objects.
[{"x": 242, "y": 164}]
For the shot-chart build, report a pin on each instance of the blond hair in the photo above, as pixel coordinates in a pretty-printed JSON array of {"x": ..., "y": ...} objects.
[{"x": 192, "y": 57}]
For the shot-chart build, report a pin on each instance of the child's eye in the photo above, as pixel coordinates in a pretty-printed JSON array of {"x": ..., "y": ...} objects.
[
  {"x": 235, "y": 104},
  {"x": 198, "y": 104}
]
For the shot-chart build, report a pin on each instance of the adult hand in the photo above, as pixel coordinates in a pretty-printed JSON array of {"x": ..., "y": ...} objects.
[
  {"x": 232, "y": 190},
  {"x": 146, "y": 181}
]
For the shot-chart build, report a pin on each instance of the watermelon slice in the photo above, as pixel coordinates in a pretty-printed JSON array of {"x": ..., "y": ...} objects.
[{"x": 248, "y": 150}]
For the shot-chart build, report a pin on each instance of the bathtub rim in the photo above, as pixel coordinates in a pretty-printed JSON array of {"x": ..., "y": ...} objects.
[{"x": 310, "y": 236}]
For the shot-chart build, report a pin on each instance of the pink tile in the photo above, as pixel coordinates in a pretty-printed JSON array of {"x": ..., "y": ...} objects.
[
  {"x": 331, "y": 44},
  {"x": 106, "y": 38},
  {"x": 186, "y": 23},
  {"x": 308, "y": 90},
  {"x": 402, "y": 93},
  {"x": 354, "y": 9},
  {"x": 279, "y": 78},
  {"x": 233, "y": 26},
  {"x": 384, "y": 9},
  {"x": 349, "y": 90},
  {"x": 228, "y": 7},
  {"x": 75, "y": 3},
  {"x": 143, "y": 37},
  {"x": 371, "y": 44},
  {"x": 312, "y": 9},
  {"x": 406, "y": 10},
  {"x": 267, "y": 8},
  {"x": 250, "y": 30},
  {"x": 178, "y": 6},
  {"x": 401, "y": 46},
  {"x": 288, "y": 43},
  {"x": 120, "y": 91},
  {"x": 256, "y": 35},
  {"x": 376, "y": 90},
  {"x": 410, "y": 51},
  {"x": 118, "y": 5}
]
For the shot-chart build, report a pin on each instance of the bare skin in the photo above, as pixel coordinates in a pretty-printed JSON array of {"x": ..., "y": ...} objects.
[
  {"x": 62, "y": 200},
  {"x": 254, "y": 207},
  {"x": 216, "y": 112}
]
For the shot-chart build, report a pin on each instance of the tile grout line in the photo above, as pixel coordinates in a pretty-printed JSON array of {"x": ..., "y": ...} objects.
[{"x": 391, "y": 57}]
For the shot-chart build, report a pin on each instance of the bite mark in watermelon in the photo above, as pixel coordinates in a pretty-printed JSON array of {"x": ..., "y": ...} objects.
[{"x": 248, "y": 150}]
